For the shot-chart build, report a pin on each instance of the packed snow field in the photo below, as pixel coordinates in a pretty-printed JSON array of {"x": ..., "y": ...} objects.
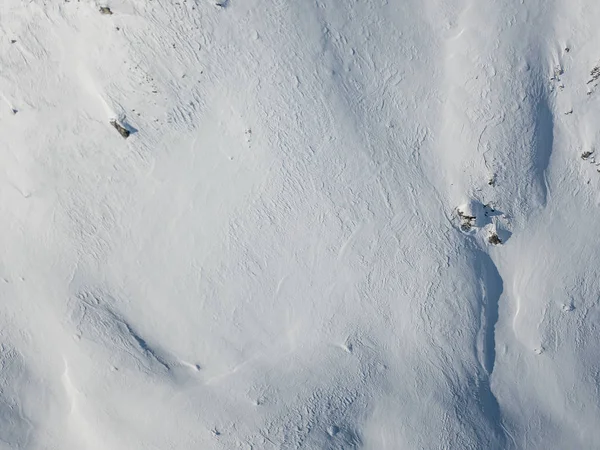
[{"x": 335, "y": 224}]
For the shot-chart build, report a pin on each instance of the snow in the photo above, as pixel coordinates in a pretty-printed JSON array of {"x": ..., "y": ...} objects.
[{"x": 274, "y": 257}]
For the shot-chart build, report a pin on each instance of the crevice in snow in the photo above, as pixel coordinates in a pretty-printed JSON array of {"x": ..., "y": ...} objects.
[
  {"x": 492, "y": 288},
  {"x": 543, "y": 141}
]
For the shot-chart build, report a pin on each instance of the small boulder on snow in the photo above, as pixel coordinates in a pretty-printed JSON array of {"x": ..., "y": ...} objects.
[
  {"x": 120, "y": 128},
  {"x": 494, "y": 239},
  {"x": 467, "y": 215}
]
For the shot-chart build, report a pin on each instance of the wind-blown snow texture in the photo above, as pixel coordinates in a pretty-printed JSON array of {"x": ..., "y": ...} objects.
[{"x": 290, "y": 250}]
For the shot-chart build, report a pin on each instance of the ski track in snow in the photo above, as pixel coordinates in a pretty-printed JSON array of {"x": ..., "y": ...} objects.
[{"x": 275, "y": 257}]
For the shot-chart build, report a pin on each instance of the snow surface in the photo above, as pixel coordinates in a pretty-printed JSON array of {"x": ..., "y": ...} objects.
[{"x": 277, "y": 256}]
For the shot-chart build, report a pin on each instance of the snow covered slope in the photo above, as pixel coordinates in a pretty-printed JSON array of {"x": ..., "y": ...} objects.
[{"x": 335, "y": 224}]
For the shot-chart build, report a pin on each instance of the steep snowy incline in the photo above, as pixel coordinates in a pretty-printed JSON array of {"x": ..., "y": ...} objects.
[
  {"x": 295, "y": 246},
  {"x": 550, "y": 268}
]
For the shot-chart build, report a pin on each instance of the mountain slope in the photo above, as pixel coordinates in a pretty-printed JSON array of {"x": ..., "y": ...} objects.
[{"x": 291, "y": 249}]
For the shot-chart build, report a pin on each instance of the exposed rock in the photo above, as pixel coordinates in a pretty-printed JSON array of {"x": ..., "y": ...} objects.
[
  {"x": 595, "y": 74},
  {"x": 494, "y": 239},
  {"x": 120, "y": 128},
  {"x": 466, "y": 221}
]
